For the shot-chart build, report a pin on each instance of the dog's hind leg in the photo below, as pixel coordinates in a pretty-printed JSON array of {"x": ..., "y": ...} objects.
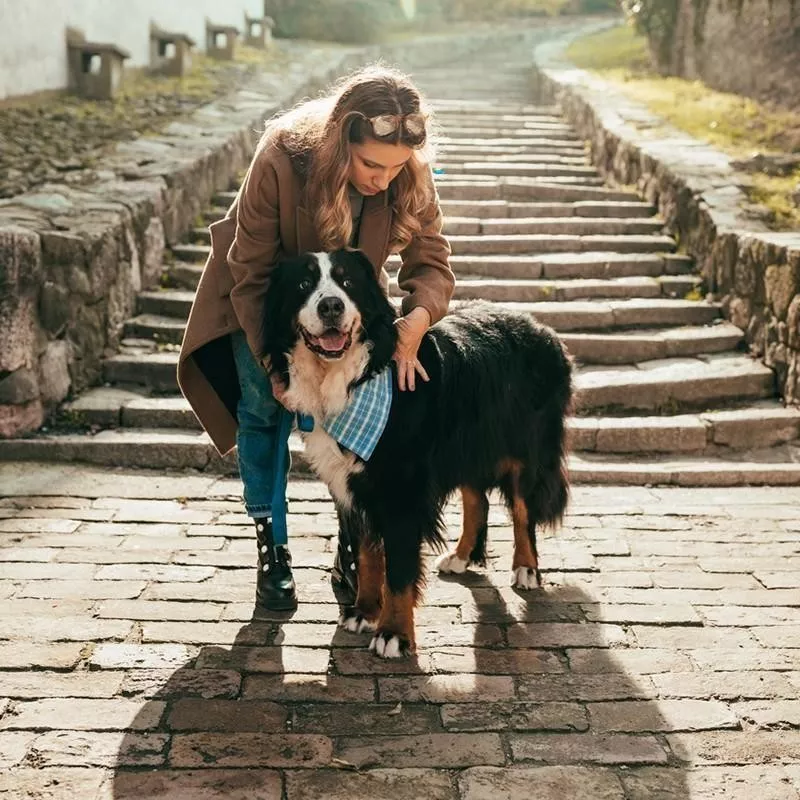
[
  {"x": 471, "y": 547},
  {"x": 525, "y": 572}
]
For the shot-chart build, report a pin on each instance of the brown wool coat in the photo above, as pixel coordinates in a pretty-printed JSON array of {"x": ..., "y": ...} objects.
[{"x": 267, "y": 222}]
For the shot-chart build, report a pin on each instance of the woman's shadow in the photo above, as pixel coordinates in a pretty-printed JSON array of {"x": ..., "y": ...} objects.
[{"x": 510, "y": 691}]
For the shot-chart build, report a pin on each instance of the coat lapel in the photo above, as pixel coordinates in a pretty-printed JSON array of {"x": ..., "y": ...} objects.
[{"x": 373, "y": 236}]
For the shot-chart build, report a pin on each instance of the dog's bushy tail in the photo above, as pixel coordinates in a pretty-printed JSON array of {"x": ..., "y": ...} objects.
[{"x": 546, "y": 487}]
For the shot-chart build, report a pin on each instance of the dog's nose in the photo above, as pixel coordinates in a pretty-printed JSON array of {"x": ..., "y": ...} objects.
[{"x": 330, "y": 309}]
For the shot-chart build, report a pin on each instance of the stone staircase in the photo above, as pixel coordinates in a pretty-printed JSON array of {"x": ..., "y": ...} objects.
[{"x": 667, "y": 393}]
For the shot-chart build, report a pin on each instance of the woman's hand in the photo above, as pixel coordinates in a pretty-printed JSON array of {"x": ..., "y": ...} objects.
[
  {"x": 410, "y": 330},
  {"x": 278, "y": 386}
]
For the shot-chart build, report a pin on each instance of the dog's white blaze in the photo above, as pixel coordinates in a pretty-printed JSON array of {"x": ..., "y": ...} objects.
[{"x": 327, "y": 287}]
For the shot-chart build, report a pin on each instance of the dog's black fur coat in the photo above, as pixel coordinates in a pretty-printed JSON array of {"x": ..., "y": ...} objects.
[{"x": 500, "y": 389}]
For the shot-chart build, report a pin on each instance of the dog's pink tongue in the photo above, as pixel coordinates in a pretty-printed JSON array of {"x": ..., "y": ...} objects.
[{"x": 332, "y": 341}]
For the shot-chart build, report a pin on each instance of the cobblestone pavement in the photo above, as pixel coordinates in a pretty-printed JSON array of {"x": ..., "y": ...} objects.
[{"x": 661, "y": 659}]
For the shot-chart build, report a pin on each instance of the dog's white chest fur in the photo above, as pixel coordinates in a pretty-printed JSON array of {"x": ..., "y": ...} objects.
[{"x": 321, "y": 390}]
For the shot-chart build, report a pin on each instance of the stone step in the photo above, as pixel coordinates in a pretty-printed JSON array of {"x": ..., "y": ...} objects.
[
  {"x": 502, "y": 209},
  {"x": 475, "y": 226},
  {"x": 519, "y": 190},
  {"x": 528, "y": 244},
  {"x": 483, "y": 144},
  {"x": 165, "y": 302},
  {"x": 673, "y": 384},
  {"x": 155, "y": 370},
  {"x": 566, "y": 315},
  {"x": 574, "y": 226},
  {"x": 535, "y": 291},
  {"x": 498, "y": 107},
  {"x": 458, "y": 176},
  {"x": 451, "y": 160},
  {"x": 765, "y": 424},
  {"x": 468, "y": 149},
  {"x": 774, "y": 466},
  {"x": 588, "y": 266},
  {"x": 643, "y": 345},
  {"x": 176, "y": 303},
  {"x": 169, "y": 449},
  {"x": 510, "y": 189},
  {"x": 668, "y": 383},
  {"x": 525, "y": 170},
  {"x": 499, "y": 244},
  {"x": 557, "y": 131}
]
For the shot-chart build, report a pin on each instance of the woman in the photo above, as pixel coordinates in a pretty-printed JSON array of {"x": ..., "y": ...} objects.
[{"x": 348, "y": 169}]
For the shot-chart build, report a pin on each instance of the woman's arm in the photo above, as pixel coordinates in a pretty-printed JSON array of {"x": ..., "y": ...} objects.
[
  {"x": 425, "y": 272},
  {"x": 426, "y": 275},
  {"x": 255, "y": 248}
]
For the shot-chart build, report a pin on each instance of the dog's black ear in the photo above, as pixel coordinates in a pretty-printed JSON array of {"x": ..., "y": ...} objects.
[
  {"x": 276, "y": 328},
  {"x": 377, "y": 313}
]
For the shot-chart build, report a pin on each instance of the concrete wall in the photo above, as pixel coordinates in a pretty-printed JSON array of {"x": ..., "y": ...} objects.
[{"x": 33, "y": 52}]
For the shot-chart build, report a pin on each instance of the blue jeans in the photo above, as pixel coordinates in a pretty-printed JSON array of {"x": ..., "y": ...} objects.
[{"x": 262, "y": 441}]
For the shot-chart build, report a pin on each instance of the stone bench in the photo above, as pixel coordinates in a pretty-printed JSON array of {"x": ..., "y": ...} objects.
[
  {"x": 170, "y": 52},
  {"x": 258, "y": 31},
  {"x": 95, "y": 69},
  {"x": 216, "y": 35}
]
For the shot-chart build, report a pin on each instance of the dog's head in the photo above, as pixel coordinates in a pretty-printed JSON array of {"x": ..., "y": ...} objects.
[{"x": 331, "y": 304}]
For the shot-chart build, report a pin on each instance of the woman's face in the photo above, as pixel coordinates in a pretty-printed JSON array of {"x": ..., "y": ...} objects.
[{"x": 374, "y": 164}]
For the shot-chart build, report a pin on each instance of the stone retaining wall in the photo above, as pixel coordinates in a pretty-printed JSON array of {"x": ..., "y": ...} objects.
[
  {"x": 755, "y": 273},
  {"x": 72, "y": 259}
]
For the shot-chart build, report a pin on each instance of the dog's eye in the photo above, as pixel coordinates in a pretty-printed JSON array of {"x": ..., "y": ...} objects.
[
  {"x": 304, "y": 285},
  {"x": 347, "y": 283}
]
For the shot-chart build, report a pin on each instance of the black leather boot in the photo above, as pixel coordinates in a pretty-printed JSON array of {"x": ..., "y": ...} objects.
[
  {"x": 275, "y": 589},
  {"x": 344, "y": 575}
]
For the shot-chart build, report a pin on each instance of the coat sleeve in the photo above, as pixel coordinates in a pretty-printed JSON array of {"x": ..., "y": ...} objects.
[
  {"x": 425, "y": 272},
  {"x": 256, "y": 247}
]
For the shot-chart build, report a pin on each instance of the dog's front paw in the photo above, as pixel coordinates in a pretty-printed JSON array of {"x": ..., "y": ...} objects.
[
  {"x": 451, "y": 563},
  {"x": 526, "y": 578},
  {"x": 387, "y": 644},
  {"x": 354, "y": 621}
]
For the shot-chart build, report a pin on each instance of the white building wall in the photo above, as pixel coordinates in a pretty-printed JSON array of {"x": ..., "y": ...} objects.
[{"x": 33, "y": 53}]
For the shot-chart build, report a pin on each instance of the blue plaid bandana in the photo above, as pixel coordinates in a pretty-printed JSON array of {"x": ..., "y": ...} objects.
[{"x": 360, "y": 426}]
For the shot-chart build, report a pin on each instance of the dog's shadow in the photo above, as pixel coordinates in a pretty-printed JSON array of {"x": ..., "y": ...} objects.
[{"x": 508, "y": 690}]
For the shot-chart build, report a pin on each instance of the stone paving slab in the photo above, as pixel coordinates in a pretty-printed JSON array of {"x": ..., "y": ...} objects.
[{"x": 661, "y": 659}]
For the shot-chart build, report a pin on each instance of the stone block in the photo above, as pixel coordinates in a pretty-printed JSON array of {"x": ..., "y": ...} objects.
[
  {"x": 19, "y": 387},
  {"x": 20, "y": 279},
  {"x": 16, "y": 420},
  {"x": 54, "y": 377},
  {"x": 152, "y": 256},
  {"x": 782, "y": 283},
  {"x": 54, "y": 308}
]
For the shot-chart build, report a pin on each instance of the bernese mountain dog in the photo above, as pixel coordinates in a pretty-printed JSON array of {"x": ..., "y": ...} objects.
[{"x": 491, "y": 416}]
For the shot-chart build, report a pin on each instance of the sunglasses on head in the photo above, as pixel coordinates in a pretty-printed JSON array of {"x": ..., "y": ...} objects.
[{"x": 386, "y": 124}]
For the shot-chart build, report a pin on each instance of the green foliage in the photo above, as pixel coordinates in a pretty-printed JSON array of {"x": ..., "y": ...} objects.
[
  {"x": 347, "y": 21},
  {"x": 657, "y": 19}
]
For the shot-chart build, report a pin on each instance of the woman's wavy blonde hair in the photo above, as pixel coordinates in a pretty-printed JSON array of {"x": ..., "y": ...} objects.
[{"x": 316, "y": 135}]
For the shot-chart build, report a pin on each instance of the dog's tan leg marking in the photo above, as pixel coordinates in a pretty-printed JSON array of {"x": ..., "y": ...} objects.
[
  {"x": 472, "y": 503},
  {"x": 395, "y": 636},
  {"x": 525, "y": 564},
  {"x": 371, "y": 576},
  {"x": 474, "y": 510}
]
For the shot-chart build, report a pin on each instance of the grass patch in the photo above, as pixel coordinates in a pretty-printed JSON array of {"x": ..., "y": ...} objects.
[{"x": 737, "y": 125}]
